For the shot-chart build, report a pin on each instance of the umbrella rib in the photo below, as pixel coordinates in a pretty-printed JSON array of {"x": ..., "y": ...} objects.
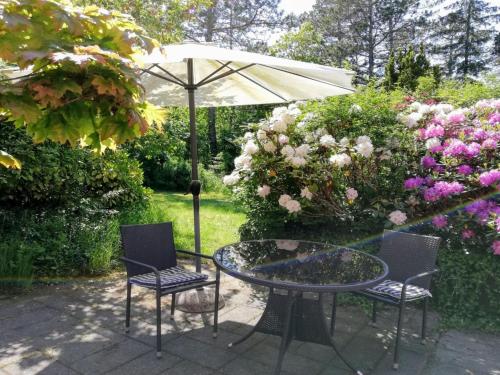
[
  {"x": 225, "y": 74},
  {"x": 161, "y": 77},
  {"x": 306, "y": 77},
  {"x": 214, "y": 72},
  {"x": 171, "y": 75},
  {"x": 237, "y": 71}
]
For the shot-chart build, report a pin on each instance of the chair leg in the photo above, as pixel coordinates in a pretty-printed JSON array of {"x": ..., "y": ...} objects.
[
  {"x": 334, "y": 314},
  {"x": 158, "y": 323},
  {"x": 216, "y": 303},
  {"x": 172, "y": 307},
  {"x": 373, "y": 322},
  {"x": 395, "y": 364},
  {"x": 424, "y": 319},
  {"x": 127, "y": 311}
]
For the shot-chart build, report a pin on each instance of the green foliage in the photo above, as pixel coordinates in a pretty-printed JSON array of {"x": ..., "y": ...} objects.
[
  {"x": 468, "y": 92},
  {"x": 404, "y": 69},
  {"x": 304, "y": 44},
  {"x": 81, "y": 86},
  {"x": 56, "y": 175}
]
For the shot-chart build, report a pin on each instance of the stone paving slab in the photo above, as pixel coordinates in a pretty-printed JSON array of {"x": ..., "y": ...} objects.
[{"x": 77, "y": 328}]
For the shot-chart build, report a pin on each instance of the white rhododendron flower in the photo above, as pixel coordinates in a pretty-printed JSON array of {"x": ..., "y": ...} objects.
[
  {"x": 279, "y": 126},
  {"x": 308, "y": 116},
  {"x": 432, "y": 143},
  {"x": 363, "y": 139},
  {"x": 397, "y": 217},
  {"x": 340, "y": 160},
  {"x": 292, "y": 206},
  {"x": 263, "y": 191},
  {"x": 250, "y": 148},
  {"x": 305, "y": 193},
  {"x": 365, "y": 149},
  {"x": 327, "y": 140},
  {"x": 412, "y": 119},
  {"x": 344, "y": 142},
  {"x": 415, "y": 106},
  {"x": 248, "y": 136},
  {"x": 269, "y": 147},
  {"x": 278, "y": 111},
  {"x": 355, "y": 108},
  {"x": 293, "y": 110},
  {"x": 243, "y": 162},
  {"x": 443, "y": 107},
  {"x": 261, "y": 135},
  {"x": 288, "y": 151},
  {"x": 283, "y": 139},
  {"x": 296, "y": 161},
  {"x": 302, "y": 150},
  {"x": 424, "y": 109},
  {"x": 231, "y": 179},
  {"x": 284, "y": 199},
  {"x": 351, "y": 194}
]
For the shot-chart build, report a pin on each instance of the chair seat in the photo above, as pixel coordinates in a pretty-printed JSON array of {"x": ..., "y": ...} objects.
[
  {"x": 169, "y": 278},
  {"x": 390, "y": 288}
]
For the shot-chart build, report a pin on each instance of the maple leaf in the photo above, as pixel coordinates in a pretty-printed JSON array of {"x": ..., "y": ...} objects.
[
  {"x": 107, "y": 87},
  {"x": 46, "y": 96}
]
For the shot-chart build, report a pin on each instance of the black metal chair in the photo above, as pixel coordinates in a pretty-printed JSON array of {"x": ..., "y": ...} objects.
[
  {"x": 412, "y": 262},
  {"x": 151, "y": 262}
]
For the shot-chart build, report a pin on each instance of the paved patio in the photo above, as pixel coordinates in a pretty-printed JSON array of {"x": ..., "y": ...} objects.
[{"x": 77, "y": 328}]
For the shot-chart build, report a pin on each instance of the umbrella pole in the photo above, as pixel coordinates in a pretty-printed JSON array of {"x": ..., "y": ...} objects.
[
  {"x": 195, "y": 183},
  {"x": 203, "y": 299}
]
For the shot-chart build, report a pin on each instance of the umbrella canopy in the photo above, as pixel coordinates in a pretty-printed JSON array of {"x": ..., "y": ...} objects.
[
  {"x": 226, "y": 77},
  {"x": 182, "y": 74}
]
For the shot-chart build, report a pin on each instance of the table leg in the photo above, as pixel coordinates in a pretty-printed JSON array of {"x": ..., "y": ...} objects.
[
  {"x": 287, "y": 331},
  {"x": 332, "y": 342}
]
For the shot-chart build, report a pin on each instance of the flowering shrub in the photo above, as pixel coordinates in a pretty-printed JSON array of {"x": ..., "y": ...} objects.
[
  {"x": 459, "y": 168},
  {"x": 298, "y": 166}
]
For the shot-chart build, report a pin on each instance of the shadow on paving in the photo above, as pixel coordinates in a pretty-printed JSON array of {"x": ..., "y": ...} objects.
[{"x": 77, "y": 328}]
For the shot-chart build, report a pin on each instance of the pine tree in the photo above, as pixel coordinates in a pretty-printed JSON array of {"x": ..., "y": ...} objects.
[
  {"x": 390, "y": 74},
  {"x": 462, "y": 35}
]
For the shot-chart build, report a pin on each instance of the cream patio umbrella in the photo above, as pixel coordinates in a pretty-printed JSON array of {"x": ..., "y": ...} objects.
[{"x": 203, "y": 75}]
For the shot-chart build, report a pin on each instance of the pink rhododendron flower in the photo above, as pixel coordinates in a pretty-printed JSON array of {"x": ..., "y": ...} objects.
[
  {"x": 480, "y": 134},
  {"x": 482, "y": 209},
  {"x": 489, "y": 144},
  {"x": 397, "y": 217},
  {"x": 434, "y": 131},
  {"x": 440, "y": 221},
  {"x": 414, "y": 183},
  {"x": 456, "y": 117},
  {"x": 464, "y": 169},
  {"x": 428, "y": 162},
  {"x": 497, "y": 222},
  {"x": 455, "y": 148},
  {"x": 468, "y": 233},
  {"x": 494, "y": 118},
  {"x": 351, "y": 194},
  {"x": 473, "y": 149},
  {"x": 489, "y": 178},
  {"x": 496, "y": 247},
  {"x": 442, "y": 189},
  {"x": 263, "y": 191},
  {"x": 439, "y": 169}
]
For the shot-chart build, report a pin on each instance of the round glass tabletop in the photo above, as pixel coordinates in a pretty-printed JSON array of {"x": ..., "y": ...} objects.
[{"x": 301, "y": 265}]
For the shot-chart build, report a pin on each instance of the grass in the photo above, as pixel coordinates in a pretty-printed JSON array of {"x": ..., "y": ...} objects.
[{"x": 220, "y": 219}]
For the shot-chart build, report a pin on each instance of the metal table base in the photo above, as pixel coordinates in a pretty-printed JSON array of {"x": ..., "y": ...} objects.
[{"x": 293, "y": 317}]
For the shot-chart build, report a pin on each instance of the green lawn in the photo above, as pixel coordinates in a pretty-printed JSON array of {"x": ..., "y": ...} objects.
[{"x": 220, "y": 219}]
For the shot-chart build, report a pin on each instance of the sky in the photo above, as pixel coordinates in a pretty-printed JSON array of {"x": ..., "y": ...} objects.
[{"x": 296, "y": 6}]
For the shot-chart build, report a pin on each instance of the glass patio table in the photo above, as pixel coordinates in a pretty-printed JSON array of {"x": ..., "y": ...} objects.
[{"x": 291, "y": 268}]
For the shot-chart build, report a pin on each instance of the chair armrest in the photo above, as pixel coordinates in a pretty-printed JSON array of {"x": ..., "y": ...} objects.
[
  {"x": 411, "y": 278},
  {"x": 420, "y": 275},
  {"x": 152, "y": 268},
  {"x": 195, "y": 254}
]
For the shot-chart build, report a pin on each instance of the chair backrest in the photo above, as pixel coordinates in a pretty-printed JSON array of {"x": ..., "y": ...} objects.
[
  {"x": 152, "y": 244},
  {"x": 408, "y": 254}
]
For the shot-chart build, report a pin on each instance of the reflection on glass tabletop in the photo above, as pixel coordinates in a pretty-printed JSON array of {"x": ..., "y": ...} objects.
[{"x": 301, "y": 265}]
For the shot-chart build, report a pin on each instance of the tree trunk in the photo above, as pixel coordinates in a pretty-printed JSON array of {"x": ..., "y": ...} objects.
[
  {"x": 371, "y": 41},
  {"x": 212, "y": 130},
  {"x": 467, "y": 39}
]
